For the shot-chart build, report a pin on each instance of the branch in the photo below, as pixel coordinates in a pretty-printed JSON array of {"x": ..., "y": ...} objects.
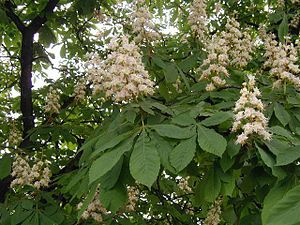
[
  {"x": 41, "y": 19},
  {"x": 10, "y": 13}
]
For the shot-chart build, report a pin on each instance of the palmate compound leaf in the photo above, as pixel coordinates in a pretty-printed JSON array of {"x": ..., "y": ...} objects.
[
  {"x": 144, "y": 161},
  {"x": 183, "y": 154},
  {"x": 108, "y": 160},
  {"x": 210, "y": 141}
]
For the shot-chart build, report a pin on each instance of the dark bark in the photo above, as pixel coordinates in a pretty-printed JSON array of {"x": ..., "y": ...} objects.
[{"x": 26, "y": 83}]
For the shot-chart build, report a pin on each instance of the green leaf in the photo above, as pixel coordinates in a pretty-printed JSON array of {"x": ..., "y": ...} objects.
[
  {"x": 283, "y": 28},
  {"x": 172, "y": 131},
  {"x": 3, "y": 17},
  {"x": 270, "y": 162},
  {"x": 5, "y": 166},
  {"x": 109, "y": 180},
  {"x": 183, "y": 119},
  {"x": 114, "y": 199},
  {"x": 100, "y": 146},
  {"x": 164, "y": 149},
  {"x": 226, "y": 162},
  {"x": 217, "y": 118},
  {"x": 171, "y": 73},
  {"x": 108, "y": 160},
  {"x": 212, "y": 185},
  {"x": 188, "y": 63},
  {"x": 183, "y": 154},
  {"x": 45, "y": 220},
  {"x": 210, "y": 141},
  {"x": 46, "y": 36},
  {"x": 288, "y": 156},
  {"x": 286, "y": 210},
  {"x": 144, "y": 161},
  {"x": 282, "y": 115}
]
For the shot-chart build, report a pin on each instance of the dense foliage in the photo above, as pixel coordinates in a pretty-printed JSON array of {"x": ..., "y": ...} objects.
[{"x": 165, "y": 112}]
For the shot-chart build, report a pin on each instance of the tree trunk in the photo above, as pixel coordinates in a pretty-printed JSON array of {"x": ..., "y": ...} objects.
[{"x": 26, "y": 83}]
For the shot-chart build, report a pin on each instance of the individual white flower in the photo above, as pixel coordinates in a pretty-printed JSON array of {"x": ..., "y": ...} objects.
[
  {"x": 52, "y": 101},
  {"x": 248, "y": 114},
  {"x": 122, "y": 76}
]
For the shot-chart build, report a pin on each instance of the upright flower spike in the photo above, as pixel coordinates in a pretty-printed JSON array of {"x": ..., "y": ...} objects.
[
  {"x": 133, "y": 194},
  {"x": 38, "y": 176},
  {"x": 249, "y": 118},
  {"x": 214, "y": 214},
  {"x": 143, "y": 27},
  {"x": 79, "y": 91},
  {"x": 52, "y": 102},
  {"x": 281, "y": 59},
  {"x": 228, "y": 48},
  {"x": 198, "y": 20},
  {"x": 122, "y": 76},
  {"x": 95, "y": 209},
  {"x": 15, "y": 137}
]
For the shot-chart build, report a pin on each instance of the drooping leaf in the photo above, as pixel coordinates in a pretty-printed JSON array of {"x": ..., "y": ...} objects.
[
  {"x": 111, "y": 143},
  {"x": 212, "y": 185},
  {"x": 108, "y": 160},
  {"x": 183, "y": 154},
  {"x": 144, "y": 161},
  {"x": 210, "y": 141}
]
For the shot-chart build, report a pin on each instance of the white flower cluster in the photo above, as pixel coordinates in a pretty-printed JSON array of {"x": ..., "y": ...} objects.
[
  {"x": 248, "y": 114},
  {"x": 79, "y": 91},
  {"x": 15, "y": 137},
  {"x": 282, "y": 59},
  {"x": 122, "y": 76},
  {"x": 295, "y": 21},
  {"x": 229, "y": 48},
  {"x": 52, "y": 102},
  {"x": 133, "y": 197},
  {"x": 38, "y": 176},
  {"x": 142, "y": 24},
  {"x": 198, "y": 20},
  {"x": 177, "y": 85},
  {"x": 184, "y": 185},
  {"x": 281, "y": 3},
  {"x": 214, "y": 214},
  {"x": 295, "y": 1},
  {"x": 95, "y": 209}
]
